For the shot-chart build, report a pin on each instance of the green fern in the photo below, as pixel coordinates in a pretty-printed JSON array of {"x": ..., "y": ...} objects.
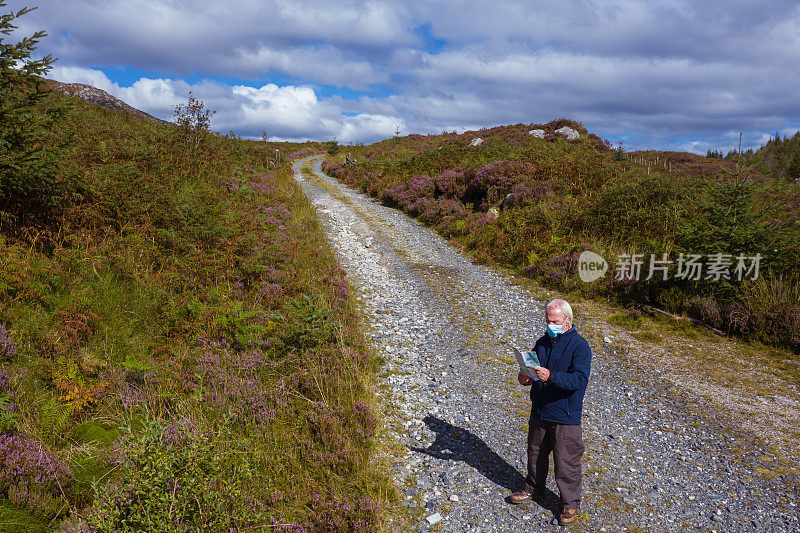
[
  {"x": 53, "y": 419},
  {"x": 8, "y": 415}
]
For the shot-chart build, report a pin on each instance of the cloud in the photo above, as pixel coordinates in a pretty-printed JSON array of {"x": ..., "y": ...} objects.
[
  {"x": 284, "y": 112},
  {"x": 652, "y": 71},
  {"x": 369, "y": 126},
  {"x": 325, "y": 65},
  {"x": 307, "y": 40}
]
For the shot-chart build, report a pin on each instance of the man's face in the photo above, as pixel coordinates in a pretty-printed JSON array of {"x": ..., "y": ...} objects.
[{"x": 556, "y": 316}]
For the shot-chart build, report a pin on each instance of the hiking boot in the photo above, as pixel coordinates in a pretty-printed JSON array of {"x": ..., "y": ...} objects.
[
  {"x": 525, "y": 496},
  {"x": 567, "y": 516}
]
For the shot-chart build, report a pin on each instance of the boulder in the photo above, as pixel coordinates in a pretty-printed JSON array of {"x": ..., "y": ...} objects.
[
  {"x": 539, "y": 134},
  {"x": 511, "y": 200},
  {"x": 568, "y": 133},
  {"x": 477, "y": 141}
]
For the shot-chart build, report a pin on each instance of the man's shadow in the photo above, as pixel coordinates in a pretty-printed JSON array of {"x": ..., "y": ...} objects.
[{"x": 453, "y": 443}]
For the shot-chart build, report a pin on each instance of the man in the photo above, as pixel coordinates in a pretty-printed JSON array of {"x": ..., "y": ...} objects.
[{"x": 557, "y": 403}]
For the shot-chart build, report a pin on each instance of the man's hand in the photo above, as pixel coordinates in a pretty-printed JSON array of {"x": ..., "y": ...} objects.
[
  {"x": 524, "y": 379},
  {"x": 542, "y": 373}
]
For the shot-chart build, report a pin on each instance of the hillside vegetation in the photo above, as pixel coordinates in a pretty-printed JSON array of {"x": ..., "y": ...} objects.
[
  {"x": 178, "y": 347},
  {"x": 779, "y": 157},
  {"x": 573, "y": 196}
]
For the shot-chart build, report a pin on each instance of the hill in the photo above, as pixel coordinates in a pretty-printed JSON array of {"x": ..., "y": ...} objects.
[
  {"x": 172, "y": 322},
  {"x": 100, "y": 97},
  {"x": 715, "y": 220}
]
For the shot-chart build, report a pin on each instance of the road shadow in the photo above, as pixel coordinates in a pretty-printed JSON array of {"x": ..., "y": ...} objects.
[{"x": 453, "y": 443}]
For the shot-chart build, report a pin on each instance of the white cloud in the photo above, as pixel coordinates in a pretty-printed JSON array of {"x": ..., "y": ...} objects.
[
  {"x": 292, "y": 111},
  {"x": 285, "y": 113},
  {"x": 368, "y": 126},
  {"x": 87, "y": 76},
  {"x": 653, "y": 70}
]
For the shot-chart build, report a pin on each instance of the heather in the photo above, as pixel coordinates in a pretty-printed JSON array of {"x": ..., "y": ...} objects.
[
  {"x": 179, "y": 349},
  {"x": 567, "y": 197}
]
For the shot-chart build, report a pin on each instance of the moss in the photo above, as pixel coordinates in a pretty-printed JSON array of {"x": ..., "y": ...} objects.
[
  {"x": 647, "y": 336},
  {"x": 93, "y": 432},
  {"x": 766, "y": 472},
  {"x": 14, "y": 520}
]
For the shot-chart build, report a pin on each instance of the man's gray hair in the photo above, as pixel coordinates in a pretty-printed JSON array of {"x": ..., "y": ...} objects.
[{"x": 566, "y": 309}]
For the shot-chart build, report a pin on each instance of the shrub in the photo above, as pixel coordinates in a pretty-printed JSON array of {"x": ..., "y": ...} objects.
[
  {"x": 494, "y": 181},
  {"x": 194, "y": 121},
  {"x": 33, "y": 477},
  {"x": 177, "y": 478},
  {"x": 705, "y": 309},
  {"x": 332, "y": 147},
  {"x": 768, "y": 309}
]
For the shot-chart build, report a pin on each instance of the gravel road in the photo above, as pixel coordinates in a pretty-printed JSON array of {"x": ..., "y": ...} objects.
[{"x": 655, "y": 460}]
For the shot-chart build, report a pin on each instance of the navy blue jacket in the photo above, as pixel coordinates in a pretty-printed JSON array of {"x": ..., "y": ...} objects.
[{"x": 569, "y": 360}]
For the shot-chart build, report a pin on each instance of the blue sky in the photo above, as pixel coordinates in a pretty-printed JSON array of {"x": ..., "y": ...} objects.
[{"x": 661, "y": 74}]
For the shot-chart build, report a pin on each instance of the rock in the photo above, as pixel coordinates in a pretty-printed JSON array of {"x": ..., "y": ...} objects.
[
  {"x": 454, "y": 498},
  {"x": 100, "y": 97},
  {"x": 511, "y": 200},
  {"x": 539, "y": 134},
  {"x": 606, "y": 340},
  {"x": 782, "y": 400},
  {"x": 477, "y": 141},
  {"x": 434, "y": 518},
  {"x": 516, "y": 513},
  {"x": 568, "y": 133}
]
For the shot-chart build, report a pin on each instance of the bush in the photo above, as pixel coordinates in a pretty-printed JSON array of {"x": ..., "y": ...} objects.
[
  {"x": 32, "y": 477},
  {"x": 768, "y": 309},
  {"x": 177, "y": 478},
  {"x": 194, "y": 121}
]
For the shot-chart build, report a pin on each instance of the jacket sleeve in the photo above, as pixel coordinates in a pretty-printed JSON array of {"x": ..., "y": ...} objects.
[{"x": 577, "y": 376}]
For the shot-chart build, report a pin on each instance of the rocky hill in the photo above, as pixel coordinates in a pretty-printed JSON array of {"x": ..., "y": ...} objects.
[{"x": 101, "y": 97}]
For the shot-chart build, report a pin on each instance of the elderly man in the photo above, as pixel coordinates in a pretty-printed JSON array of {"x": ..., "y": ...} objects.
[{"x": 557, "y": 402}]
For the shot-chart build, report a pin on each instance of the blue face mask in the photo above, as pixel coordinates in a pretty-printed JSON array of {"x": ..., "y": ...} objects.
[{"x": 553, "y": 330}]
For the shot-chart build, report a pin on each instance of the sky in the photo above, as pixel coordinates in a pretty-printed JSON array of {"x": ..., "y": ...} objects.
[{"x": 655, "y": 74}]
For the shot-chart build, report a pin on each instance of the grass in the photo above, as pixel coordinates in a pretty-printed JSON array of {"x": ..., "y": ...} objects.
[{"x": 182, "y": 332}]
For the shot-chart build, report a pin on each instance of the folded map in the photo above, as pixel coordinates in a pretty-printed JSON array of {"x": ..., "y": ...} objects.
[{"x": 527, "y": 360}]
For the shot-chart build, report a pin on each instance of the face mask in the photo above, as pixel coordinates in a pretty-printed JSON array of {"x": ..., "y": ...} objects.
[{"x": 553, "y": 329}]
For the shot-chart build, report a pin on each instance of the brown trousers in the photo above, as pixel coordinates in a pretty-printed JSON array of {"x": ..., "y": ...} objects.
[{"x": 566, "y": 444}]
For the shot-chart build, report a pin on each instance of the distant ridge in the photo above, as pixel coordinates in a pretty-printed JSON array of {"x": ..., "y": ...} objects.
[{"x": 100, "y": 97}]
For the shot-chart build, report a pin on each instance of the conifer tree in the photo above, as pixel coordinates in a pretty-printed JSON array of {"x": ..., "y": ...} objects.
[
  {"x": 28, "y": 152},
  {"x": 793, "y": 170}
]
